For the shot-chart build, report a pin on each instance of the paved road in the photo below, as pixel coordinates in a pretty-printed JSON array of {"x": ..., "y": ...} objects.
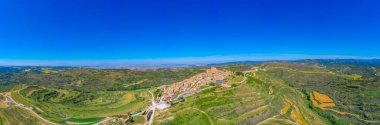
[{"x": 153, "y": 106}]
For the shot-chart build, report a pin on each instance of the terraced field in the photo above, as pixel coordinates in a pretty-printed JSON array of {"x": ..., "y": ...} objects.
[
  {"x": 259, "y": 100},
  {"x": 60, "y": 105},
  {"x": 283, "y": 93},
  {"x": 337, "y": 91}
]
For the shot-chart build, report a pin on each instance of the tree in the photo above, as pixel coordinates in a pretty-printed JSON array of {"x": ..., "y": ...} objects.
[{"x": 239, "y": 73}]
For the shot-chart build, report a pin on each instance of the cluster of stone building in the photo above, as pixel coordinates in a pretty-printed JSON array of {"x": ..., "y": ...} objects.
[{"x": 195, "y": 83}]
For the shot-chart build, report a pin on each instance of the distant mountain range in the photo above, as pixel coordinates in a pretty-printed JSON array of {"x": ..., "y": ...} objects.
[{"x": 368, "y": 62}]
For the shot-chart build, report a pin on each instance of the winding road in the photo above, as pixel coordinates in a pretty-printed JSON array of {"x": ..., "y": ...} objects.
[
  {"x": 30, "y": 110},
  {"x": 153, "y": 106}
]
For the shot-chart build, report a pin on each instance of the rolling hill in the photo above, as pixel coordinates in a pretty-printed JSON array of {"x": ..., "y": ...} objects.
[{"x": 308, "y": 92}]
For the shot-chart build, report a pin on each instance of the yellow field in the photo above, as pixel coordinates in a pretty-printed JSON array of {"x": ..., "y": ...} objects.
[
  {"x": 354, "y": 76},
  {"x": 297, "y": 116},
  {"x": 128, "y": 97},
  {"x": 327, "y": 105},
  {"x": 322, "y": 98},
  {"x": 321, "y": 101},
  {"x": 285, "y": 109}
]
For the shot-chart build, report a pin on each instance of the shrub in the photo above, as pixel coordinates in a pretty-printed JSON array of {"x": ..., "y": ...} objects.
[
  {"x": 239, "y": 73},
  {"x": 212, "y": 83},
  {"x": 234, "y": 85}
]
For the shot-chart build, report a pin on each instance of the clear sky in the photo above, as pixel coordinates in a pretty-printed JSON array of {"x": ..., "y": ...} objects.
[{"x": 77, "y": 30}]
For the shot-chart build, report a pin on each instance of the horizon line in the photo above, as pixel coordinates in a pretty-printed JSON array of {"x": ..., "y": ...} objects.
[{"x": 172, "y": 61}]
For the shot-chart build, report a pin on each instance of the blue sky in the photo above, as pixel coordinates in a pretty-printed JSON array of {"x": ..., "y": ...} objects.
[{"x": 104, "y": 30}]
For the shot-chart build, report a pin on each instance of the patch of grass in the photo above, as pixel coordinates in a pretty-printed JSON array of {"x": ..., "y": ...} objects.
[
  {"x": 234, "y": 85},
  {"x": 85, "y": 120},
  {"x": 190, "y": 117},
  {"x": 354, "y": 76},
  {"x": 139, "y": 120},
  {"x": 370, "y": 93},
  {"x": 250, "y": 81},
  {"x": 212, "y": 84},
  {"x": 157, "y": 93},
  {"x": 49, "y": 71}
]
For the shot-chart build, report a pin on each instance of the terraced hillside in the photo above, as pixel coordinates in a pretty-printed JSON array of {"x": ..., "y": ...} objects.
[
  {"x": 76, "y": 95},
  {"x": 355, "y": 91},
  {"x": 311, "y": 92},
  {"x": 256, "y": 101},
  {"x": 14, "y": 115},
  {"x": 286, "y": 93},
  {"x": 59, "y": 105}
]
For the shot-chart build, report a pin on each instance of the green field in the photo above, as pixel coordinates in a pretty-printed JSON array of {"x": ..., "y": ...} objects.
[
  {"x": 85, "y": 120},
  {"x": 49, "y": 71},
  {"x": 139, "y": 120}
]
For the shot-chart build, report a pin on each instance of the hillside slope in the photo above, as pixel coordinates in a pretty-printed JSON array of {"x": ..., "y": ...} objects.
[
  {"x": 287, "y": 93},
  {"x": 310, "y": 92}
]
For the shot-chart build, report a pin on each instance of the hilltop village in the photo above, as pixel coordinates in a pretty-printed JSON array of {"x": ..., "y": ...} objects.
[
  {"x": 171, "y": 93},
  {"x": 195, "y": 83}
]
